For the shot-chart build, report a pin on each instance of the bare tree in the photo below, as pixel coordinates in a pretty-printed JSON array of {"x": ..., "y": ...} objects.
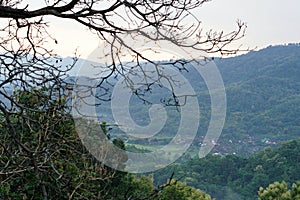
[
  {"x": 24, "y": 34},
  {"x": 27, "y": 66}
]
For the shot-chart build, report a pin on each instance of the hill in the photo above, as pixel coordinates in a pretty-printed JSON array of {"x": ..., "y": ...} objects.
[
  {"x": 263, "y": 91},
  {"x": 263, "y": 102}
]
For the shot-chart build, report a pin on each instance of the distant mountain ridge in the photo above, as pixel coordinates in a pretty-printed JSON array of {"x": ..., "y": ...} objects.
[{"x": 265, "y": 61}]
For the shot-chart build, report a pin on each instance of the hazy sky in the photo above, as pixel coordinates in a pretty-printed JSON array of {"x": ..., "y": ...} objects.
[{"x": 269, "y": 22}]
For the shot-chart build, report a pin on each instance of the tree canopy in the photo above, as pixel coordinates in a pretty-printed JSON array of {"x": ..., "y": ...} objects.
[{"x": 280, "y": 191}]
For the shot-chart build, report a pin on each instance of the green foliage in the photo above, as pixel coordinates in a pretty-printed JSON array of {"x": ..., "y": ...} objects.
[
  {"x": 295, "y": 192},
  {"x": 178, "y": 191},
  {"x": 141, "y": 188},
  {"x": 41, "y": 154},
  {"x": 279, "y": 191}
]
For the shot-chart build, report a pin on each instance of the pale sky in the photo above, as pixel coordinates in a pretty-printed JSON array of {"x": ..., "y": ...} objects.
[{"x": 269, "y": 22}]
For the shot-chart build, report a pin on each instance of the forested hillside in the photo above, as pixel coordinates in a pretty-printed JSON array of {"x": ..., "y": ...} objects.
[
  {"x": 236, "y": 177},
  {"x": 263, "y": 91},
  {"x": 263, "y": 102}
]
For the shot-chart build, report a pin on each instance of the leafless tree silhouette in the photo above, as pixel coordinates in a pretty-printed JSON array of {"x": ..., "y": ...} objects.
[{"x": 24, "y": 34}]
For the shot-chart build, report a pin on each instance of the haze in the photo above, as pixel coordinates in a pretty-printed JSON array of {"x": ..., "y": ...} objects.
[{"x": 269, "y": 22}]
